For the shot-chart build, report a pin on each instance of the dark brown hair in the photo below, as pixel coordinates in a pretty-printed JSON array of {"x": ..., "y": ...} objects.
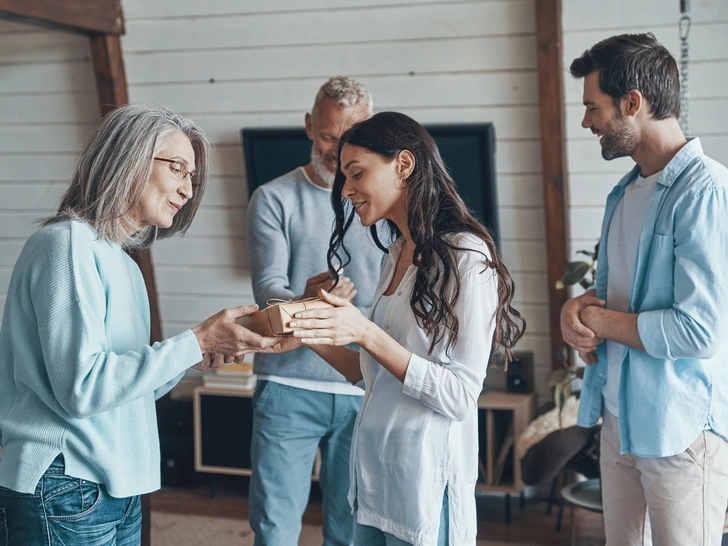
[
  {"x": 634, "y": 61},
  {"x": 435, "y": 213}
]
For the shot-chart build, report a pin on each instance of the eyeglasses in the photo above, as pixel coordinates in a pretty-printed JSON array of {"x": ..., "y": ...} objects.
[{"x": 179, "y": 171}]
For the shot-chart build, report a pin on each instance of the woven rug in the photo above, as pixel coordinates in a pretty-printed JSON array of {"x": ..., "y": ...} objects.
[{"x": 184, "y": 530}]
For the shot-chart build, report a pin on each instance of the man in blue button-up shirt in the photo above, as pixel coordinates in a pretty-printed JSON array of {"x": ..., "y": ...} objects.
[{"x": 653, "y": 330}]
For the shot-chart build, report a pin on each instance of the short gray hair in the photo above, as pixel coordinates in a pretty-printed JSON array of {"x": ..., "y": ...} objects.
[
  {"x": 116, "y": 166},
  {"x": 345, "y": 92}
]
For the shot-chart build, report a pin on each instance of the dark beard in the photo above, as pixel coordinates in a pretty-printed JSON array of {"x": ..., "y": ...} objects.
[{"x": 619, "y": 140}]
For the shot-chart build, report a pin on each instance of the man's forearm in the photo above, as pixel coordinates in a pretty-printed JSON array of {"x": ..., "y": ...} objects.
[{"x": 613, "y": 325}]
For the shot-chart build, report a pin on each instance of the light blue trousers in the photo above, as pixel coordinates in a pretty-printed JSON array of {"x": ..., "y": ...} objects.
[{"x": 288, "y": 425}]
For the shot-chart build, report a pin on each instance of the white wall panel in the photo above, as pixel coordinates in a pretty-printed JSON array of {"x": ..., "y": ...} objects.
[
  {"x": 285, "y": 63},
  {"x": 31, "y": 196},
  {"x": 36, "y": 166},
  {"x": 427, "y": 90},
  {"x": 587, "y": 15},
  {"x": 20, "y": 109},
  {"x": 67, "y": 137},
  {"x": 41, "y": 47},
  {"x": 141, "y": 9},
  {"x": 416, "y": 22}
]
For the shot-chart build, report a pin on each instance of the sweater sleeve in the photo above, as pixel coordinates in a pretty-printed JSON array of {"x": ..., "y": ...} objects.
[
  {"x": 70, "y": 301},
  {"x": 268, "y": 250}
]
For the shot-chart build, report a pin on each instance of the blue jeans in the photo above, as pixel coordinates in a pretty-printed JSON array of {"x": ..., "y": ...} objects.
[
  {"x": 68, "y": 511},
  {"x": 364, "y": 535},
  {"x": 288, "y": 425}
]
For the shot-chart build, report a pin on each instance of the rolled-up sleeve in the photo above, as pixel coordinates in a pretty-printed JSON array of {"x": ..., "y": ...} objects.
[
  {"x": 452, "y": 387},
  {"x": 695, "y": 325}
]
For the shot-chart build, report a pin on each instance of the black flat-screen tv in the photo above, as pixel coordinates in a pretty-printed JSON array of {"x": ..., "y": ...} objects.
[{"x": 467, "y": 149}]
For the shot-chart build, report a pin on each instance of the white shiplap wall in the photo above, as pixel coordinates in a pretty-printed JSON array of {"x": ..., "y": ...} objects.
[
  {"x": 47, "y": 105},
  {"x": 233, "y": 63},
  {"x": 585, "y": 23}
]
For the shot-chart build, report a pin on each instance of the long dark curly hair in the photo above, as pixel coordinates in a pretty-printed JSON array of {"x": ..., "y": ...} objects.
[{"x": 435, "y": 213}]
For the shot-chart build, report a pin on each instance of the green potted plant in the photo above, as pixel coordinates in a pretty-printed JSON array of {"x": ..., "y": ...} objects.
[
  {"x": 580, "y": 272},
  {"x": 562, "y": 381}
]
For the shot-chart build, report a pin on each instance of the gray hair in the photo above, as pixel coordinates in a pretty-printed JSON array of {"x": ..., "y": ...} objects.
[
  {"x": 345, "y": 92},
  {"x": 116, "y": 166}
]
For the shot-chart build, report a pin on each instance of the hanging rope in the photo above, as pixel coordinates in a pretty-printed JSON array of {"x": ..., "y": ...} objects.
[{"x": 684, "y": 27}]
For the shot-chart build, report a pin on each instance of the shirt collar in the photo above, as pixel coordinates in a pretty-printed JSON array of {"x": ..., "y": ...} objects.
[{"x": 674, "y": 168}]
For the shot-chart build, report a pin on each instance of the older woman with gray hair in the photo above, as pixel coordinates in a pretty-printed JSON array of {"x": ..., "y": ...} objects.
[{"x": 78, "y": 378}]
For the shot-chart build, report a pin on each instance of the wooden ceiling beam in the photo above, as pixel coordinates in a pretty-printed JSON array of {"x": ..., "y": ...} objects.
[{"x": 80, "y": 16}]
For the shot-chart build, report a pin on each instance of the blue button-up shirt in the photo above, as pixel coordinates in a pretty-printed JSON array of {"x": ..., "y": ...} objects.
[{"x": 677, "y": 386}]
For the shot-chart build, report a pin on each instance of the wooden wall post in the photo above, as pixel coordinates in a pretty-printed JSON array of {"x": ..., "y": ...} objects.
[{"x": 553, "y": 152}]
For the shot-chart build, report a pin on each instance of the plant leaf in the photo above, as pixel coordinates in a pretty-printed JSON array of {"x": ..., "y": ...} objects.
[
  {"x": 575, "y": 271},
  {"x": 586, "y": 253},
  {"x": 580, "y": 372},
  {"x": 568, "y": 390},
  {"x": 558, "y": 396},
  {"x": 556, "y": 377},
  {"x": 564, "y": 355}
]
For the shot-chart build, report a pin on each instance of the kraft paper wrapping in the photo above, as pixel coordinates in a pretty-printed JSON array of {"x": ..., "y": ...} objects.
[{"x": 274, "y": 320}]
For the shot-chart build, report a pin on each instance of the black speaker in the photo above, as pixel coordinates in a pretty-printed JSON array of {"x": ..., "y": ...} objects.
[
  {"x": 519, "y": 376},
  {"x": 176, "y": 441}
]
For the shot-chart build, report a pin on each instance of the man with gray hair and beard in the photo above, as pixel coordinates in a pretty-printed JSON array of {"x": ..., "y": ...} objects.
[{"x": 300, "y": 402}]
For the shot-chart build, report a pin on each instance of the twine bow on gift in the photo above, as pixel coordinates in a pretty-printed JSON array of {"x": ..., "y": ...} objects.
[{"x": 278, "y": 302}]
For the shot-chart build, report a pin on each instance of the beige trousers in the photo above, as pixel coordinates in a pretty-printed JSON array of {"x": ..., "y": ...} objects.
[{"x": 668, "y": 501}]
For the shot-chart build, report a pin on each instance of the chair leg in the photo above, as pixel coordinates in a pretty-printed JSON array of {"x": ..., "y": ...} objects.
[
  {"x": 573, "y": 527},
  {"x": 508, "y": 508},
  {"x": 561, "y": 501},
  {"x": 552, "y": 495},
  {"x": 523, "y": 500}
]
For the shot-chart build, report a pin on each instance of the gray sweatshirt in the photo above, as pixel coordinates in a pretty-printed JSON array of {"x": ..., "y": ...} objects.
[{"x": 290, "y": 221}]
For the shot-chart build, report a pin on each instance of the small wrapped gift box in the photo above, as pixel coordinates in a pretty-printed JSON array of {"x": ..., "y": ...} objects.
[{"x": 274, "y": 320}]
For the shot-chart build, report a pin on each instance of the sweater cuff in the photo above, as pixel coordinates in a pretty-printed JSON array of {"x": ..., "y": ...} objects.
[
  {"x": 186, "y": 348},
  {"x": 414, "y": 378}
]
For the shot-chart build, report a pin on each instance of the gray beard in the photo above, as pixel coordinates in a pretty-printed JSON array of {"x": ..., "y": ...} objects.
[{"x": 317, "y": 162}]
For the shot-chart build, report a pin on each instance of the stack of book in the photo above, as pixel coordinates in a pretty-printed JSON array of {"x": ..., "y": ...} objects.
[{"x": 231, "y": 376}]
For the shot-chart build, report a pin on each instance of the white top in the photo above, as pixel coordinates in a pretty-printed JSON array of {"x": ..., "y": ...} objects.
[
  {"x": 380, "y": 309},
  {"x": 622, "y": 254},
  {"x": 412, "y": 440},
  {"x": 329, "y": 387}
]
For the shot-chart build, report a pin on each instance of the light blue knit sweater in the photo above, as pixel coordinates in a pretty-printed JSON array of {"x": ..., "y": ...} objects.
[{"x": 77, "y": 374}]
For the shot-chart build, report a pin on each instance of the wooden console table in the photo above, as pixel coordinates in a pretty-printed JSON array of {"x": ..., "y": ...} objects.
[{"x": 223, "y": 425}]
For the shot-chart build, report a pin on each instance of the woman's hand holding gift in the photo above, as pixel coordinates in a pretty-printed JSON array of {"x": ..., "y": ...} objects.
[{"x": 340, "y": 325}]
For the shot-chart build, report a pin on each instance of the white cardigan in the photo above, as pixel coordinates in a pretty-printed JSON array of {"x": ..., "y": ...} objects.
[{"x": 412, "y": 440}]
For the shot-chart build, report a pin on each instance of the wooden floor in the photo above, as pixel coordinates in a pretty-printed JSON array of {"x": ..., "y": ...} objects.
[{"x": 530, "y": 526}]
